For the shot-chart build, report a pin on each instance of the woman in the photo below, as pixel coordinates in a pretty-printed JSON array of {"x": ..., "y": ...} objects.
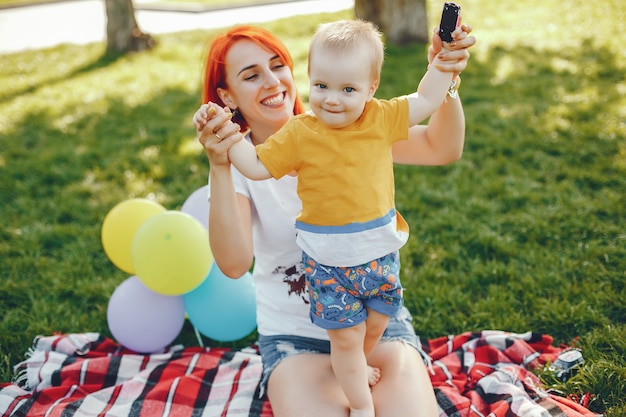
[{"x": 249, "y": 71}]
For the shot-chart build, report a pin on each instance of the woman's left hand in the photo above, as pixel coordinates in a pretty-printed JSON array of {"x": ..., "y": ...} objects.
[{"x": 455, "y": 55}]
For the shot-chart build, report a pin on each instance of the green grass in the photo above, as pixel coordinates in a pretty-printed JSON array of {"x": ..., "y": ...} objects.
[{"x": 525, "y": 232}]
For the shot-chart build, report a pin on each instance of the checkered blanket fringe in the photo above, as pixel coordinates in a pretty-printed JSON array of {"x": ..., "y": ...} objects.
[{"x": 480, "y": 374}]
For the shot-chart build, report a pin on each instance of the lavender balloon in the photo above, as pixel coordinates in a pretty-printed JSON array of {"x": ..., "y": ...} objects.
[
  {"x": 197, "y": 205},
  {"x": 143, "y": 320}
]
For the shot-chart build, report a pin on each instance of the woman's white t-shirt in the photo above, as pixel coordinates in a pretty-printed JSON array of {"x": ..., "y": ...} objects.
[{"x": 281, "y": 296}]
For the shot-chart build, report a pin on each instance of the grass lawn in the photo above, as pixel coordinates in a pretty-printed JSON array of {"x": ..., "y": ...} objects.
[{"x": 525, "y": 232}]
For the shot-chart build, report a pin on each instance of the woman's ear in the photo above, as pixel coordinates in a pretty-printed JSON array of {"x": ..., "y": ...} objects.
[{"x": 226, "y": 98}]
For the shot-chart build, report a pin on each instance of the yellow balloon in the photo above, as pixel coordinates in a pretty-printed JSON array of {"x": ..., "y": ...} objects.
[
  {"x": 171, "y": 253},
  {"x": 120, "y": 225}
]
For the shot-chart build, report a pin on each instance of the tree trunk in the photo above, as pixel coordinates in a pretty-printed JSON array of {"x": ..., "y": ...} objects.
[
  {"x": 123, "y": 33},
  {"x": 402, "y": 21}
]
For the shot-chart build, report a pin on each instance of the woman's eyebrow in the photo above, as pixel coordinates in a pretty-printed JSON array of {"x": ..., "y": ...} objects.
[
  {"x": 246, "y": 68},
  {"x": 254, "y": 65}
]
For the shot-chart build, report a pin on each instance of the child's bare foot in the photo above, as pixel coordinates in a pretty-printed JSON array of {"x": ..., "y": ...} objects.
[{"x": 373, "y": 375}]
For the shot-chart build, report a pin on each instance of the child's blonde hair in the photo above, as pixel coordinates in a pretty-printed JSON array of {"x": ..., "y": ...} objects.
[{"x": 344, "y": 35}]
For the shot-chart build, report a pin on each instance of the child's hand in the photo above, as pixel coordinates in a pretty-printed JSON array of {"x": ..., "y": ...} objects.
[
  {"x": 200, "y": 117},
  {"x": 216, "y": 121},
  {"x": 208, "y": 112}
]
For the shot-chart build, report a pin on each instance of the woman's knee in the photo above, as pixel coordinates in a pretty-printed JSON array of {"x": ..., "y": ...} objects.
[
  {"x": 305, "y": 385},
  {"x": 404, "y": 382},
  {"x": 397, "y": 358}
]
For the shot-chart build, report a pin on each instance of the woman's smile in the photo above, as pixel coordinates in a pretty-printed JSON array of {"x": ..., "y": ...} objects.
[{"x": 275, "y": 100}]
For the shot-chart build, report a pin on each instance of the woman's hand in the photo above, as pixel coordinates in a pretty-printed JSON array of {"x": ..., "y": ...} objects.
[
  {"x": 216, "y": 132},
  {"x": 455, "y": 55}
]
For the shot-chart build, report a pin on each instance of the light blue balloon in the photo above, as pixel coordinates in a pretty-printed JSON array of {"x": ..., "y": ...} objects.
[{"x": 222, "y": 308}]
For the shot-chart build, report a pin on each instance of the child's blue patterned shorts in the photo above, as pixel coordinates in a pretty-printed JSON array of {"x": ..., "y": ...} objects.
[{"x": 340, "y": 296}]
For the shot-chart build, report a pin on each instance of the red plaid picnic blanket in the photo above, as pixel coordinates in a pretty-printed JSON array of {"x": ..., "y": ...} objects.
[
  {"x": 474, "y": 374},
  {"x": 488, "y": 374}
]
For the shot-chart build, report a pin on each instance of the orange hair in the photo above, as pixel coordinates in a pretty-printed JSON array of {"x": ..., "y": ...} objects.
[{"x": 215, "y": 66}]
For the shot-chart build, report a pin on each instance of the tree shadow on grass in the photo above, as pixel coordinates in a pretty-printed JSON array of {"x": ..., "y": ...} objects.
[{"x": 54, "y": 77}]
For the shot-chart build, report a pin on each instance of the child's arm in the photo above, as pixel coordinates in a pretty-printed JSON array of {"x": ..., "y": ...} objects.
[
  {"x": 243, "y": 155},
  {"x": 430, "y": 94}
]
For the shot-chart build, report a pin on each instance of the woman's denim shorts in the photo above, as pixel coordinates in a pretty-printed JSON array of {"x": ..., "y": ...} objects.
[{"x": 276, "y": 348}]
